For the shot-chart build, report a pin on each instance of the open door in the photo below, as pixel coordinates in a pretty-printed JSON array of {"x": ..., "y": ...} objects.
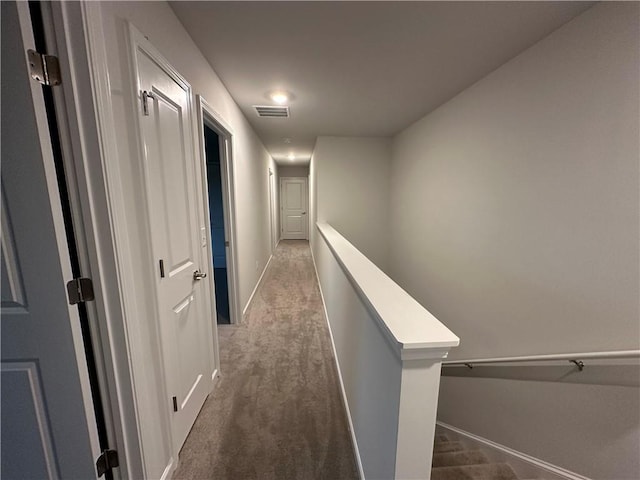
[{"x": 49, "y": 427}]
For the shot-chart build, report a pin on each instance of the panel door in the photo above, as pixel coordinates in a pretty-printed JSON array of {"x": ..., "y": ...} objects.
[
  {"x": 169, "y": 163},
  {"x": 48, "y": 422},
  {"x": 293, "y": 199}
]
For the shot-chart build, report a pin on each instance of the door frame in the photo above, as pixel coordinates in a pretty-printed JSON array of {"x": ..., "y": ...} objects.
[
  {"x": 73, "y": 32},
  {"x": 306, "y": 186},
  {"x": 206, "y": 115},
  {"x": 273, "y": 209}
]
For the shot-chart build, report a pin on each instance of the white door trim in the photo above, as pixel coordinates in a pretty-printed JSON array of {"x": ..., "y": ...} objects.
[
  {"x": 43, "y": 140},
  {"x": 86, "y": 128},
  {"x": 136, "y": 40},
  {"x": 207, "y": 115}
]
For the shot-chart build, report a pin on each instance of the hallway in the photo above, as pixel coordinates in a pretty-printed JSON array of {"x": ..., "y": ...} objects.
[{"x": 277, "y": 411}]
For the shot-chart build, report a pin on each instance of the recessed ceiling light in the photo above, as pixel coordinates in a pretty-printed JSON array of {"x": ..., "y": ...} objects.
[{"x": 280, "y": 97}]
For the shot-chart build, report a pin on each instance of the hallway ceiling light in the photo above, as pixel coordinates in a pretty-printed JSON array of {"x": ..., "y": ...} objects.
[
  {"x": 291, "y": 156},
  {"x": 280, "y": 97}
]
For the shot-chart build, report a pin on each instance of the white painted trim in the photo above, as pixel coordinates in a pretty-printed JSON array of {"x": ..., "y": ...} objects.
[
  {"x": 356, "y": 450},
  {"x": 411, "y": 330},
  {"x": 516, "y": 459},
  {"x": 62, "y": 249},
  {"x": 273, "y": 211},
  {"x": 207, "y": 115},
  {"x": 100, "y": 173},
  {"x": 244, "y": 311}
]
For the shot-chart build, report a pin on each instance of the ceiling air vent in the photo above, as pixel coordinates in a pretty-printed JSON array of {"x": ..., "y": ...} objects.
[{"x": 272, "y": 111}]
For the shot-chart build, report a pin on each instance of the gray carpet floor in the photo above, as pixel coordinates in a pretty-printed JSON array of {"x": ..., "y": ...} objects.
[
  {"x": 276, "y": 412},
  {"x": 453, "y": 461}
]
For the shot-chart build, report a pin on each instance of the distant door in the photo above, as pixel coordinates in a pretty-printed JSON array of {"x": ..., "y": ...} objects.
[
  {"x": 293, "y": 200},
  {"x": 48, "y": 423},
  {"x": 169, "y": 165}
]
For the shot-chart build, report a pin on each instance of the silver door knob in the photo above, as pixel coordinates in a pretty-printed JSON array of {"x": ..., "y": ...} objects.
[{"x": 198, "y": 275}]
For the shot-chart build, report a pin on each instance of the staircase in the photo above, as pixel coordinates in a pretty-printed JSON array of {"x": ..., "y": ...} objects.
[{"x": 452, "y": 461}]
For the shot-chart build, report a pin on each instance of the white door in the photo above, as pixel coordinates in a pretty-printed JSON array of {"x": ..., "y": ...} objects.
[
  {"x": 48, "y": 422},
  {"x": 170, "y": 169},
  {"x": 293, "y": 201}
]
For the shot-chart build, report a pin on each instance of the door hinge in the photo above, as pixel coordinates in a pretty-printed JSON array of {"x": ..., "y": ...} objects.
[
  {"x": 145, "y": 101},
  {"x": 107, "y": 461},
  {"x": 161, "y": 268},
  {"x": 44, "y": 68},
  {"x": 80, "y": 290},
  {"x": 175, "y": 404}
]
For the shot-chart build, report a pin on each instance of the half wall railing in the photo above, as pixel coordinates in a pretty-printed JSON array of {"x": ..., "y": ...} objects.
[{"x": 389, "y": 351}]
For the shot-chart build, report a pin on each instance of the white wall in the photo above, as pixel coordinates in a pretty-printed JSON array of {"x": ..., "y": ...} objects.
[
  {"x": 514, "y": 210},
  {"x": 351, "y": 188},
  {"x": 588, "y": 429},
  {"x": 251, "y": 162},
  {"x": 294, "y": 171}
]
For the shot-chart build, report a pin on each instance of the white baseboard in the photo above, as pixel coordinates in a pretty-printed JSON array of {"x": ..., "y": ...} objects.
[
  {"x": 169, "y": 470},
  {"x": 244, "y": 311},
  {"x": 356, "y": 451},
  {"x": 524, "y": 465},
  {"x": 215, "y": 378}
]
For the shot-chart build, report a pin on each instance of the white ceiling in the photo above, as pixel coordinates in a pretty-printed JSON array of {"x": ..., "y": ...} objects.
[{"x": 358, "y": 68}]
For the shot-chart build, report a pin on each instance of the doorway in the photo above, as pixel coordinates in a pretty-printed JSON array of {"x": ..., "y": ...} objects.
[
  {"x": 293, "y": 208},
  {"x": 216, "y": 220},
  {"x": 217, "y": 163},
  {"x": 182, "y": 293}
]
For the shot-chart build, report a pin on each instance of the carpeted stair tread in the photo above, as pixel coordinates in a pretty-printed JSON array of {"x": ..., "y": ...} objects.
[
  {"x": 443, "y": 447},
  {"x": 441, "y": 438},
  {"x": 491, "y": 471},
  {"x": 465, "y": 457}
]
